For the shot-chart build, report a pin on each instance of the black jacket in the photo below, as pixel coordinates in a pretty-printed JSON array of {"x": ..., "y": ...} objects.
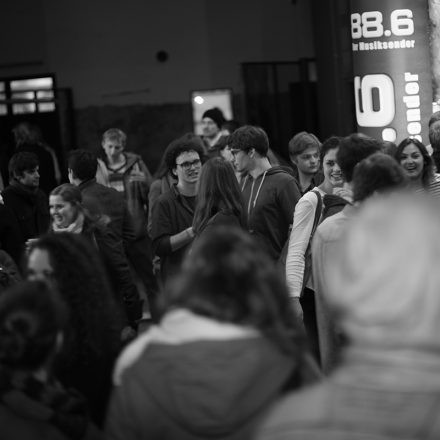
[
  {"x": 171, "y": 214},
  {"x": 30, "y": 210},
  {"x": 10, "y": 236},
  {"x": 113, "y": 255},
  {"x": 100, "y": 201},
  {"x": 270, "y": 201}
]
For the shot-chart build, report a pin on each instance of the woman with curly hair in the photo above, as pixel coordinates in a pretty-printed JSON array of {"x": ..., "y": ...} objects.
[
  {"x": 33, "y": 404},
  {"x": 219, "y": 199},
  {"x": 92, "y": 338},
  {"x": 226, "y": 347}
]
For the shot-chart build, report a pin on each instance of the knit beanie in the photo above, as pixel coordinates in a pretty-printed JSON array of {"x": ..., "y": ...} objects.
[{"x": 216, "y": 115}]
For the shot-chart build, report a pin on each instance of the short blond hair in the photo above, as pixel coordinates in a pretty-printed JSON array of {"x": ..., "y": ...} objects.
[{"x": 115, "y": 133}]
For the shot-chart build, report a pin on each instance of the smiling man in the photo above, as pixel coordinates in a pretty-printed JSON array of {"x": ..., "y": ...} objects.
[
  {"x": 23, "y": 197},
  {"x": 174, "y": 210}
]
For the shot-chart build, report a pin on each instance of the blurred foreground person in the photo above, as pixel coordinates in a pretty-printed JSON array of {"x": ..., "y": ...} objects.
[
  {"x": 384, "y": 287},
  {"x": 92, "y": 338},
  {"x": 33, "y": 405},
  {"x": 226, "y": 347}
]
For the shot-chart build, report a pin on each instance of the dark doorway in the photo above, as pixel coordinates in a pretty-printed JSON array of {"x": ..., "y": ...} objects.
[{"x": 281, "y": 97}]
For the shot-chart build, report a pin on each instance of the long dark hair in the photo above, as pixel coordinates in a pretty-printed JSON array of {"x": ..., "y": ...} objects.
[
  {"x": 428, "y": 164},
  {"x": 229, "y": 278},
  {"x": 218, "y": 190},
  {"x": 95, "y": 319}
]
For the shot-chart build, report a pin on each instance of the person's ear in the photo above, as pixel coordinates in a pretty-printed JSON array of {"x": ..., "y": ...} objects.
[
  {"x": 252, "y": 152},
  {"x": 174, "y": 172}
]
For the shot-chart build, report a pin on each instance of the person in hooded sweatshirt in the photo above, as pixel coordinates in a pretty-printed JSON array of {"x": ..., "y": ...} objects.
[
  {"x": 227, "y": 346},
  {"x": 270, "y": 192}
]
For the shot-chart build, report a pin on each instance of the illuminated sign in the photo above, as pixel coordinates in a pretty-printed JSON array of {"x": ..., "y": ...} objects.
[{"x": 391, "y": 66}]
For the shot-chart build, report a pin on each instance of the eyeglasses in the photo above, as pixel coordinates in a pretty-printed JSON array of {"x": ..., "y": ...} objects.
[{"x": 188, "y": 165}]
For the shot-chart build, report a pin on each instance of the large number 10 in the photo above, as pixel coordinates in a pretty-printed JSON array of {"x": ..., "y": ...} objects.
[{"x": 366, "y": 115}]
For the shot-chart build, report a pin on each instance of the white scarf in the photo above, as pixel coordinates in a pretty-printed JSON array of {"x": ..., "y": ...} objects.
[{"x": 75, "y": 227}]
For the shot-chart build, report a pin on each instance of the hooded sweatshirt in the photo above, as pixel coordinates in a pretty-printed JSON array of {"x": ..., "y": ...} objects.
[
  {"x": 195, "y": 378},
  {"x": 270, "y": 202}
]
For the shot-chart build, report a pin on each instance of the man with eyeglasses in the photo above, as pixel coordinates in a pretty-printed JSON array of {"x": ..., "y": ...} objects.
[
  {"x": 270, "y": 192},
  {"x": 173, "y": 212}
]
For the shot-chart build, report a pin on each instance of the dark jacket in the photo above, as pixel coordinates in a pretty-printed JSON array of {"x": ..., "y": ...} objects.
[
  {"x": 113, "y": 255},
  {"x": 222, "y": 218},
  {"x": 100, "y": 201},
  {"x": 33, "y": 410},
  {"x": 270, "y": 200},
  {"x": 157, "y": 188},
  {"x": 171, "y": 215},
  {"x": 199, "y": 386},
  {"x": 30, "y": 209},
  {"x": 317, "y": 179},
  {"x": 10, "y": 236}
]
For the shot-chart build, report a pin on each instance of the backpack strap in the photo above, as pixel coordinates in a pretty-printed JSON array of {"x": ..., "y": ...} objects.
[
  {"x": 318, "y": 213},
  {"x": 308, "y": 252}
]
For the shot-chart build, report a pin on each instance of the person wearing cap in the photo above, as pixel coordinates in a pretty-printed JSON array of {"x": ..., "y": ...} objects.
[{"x": 212, "y": 122}]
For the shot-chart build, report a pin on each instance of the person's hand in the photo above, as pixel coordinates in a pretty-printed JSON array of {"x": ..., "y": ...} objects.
[{"x": 344, "y": 192}]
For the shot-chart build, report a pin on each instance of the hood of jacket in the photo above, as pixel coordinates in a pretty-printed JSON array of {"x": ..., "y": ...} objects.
[{"x": 210, "y": 378}]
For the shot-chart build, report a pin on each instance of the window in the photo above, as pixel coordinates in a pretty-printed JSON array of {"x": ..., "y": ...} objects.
[{"x": 27, "y": 95}]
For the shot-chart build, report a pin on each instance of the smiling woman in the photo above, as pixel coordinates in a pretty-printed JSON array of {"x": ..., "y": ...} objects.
[
  {"x": 63, "y": 213},
  {"x": 419, "y": 167},
  {"x": 68, "y": 215}
]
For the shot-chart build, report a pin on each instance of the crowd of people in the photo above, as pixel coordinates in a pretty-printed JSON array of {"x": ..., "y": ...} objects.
[{"x": 229, "y": 295}]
